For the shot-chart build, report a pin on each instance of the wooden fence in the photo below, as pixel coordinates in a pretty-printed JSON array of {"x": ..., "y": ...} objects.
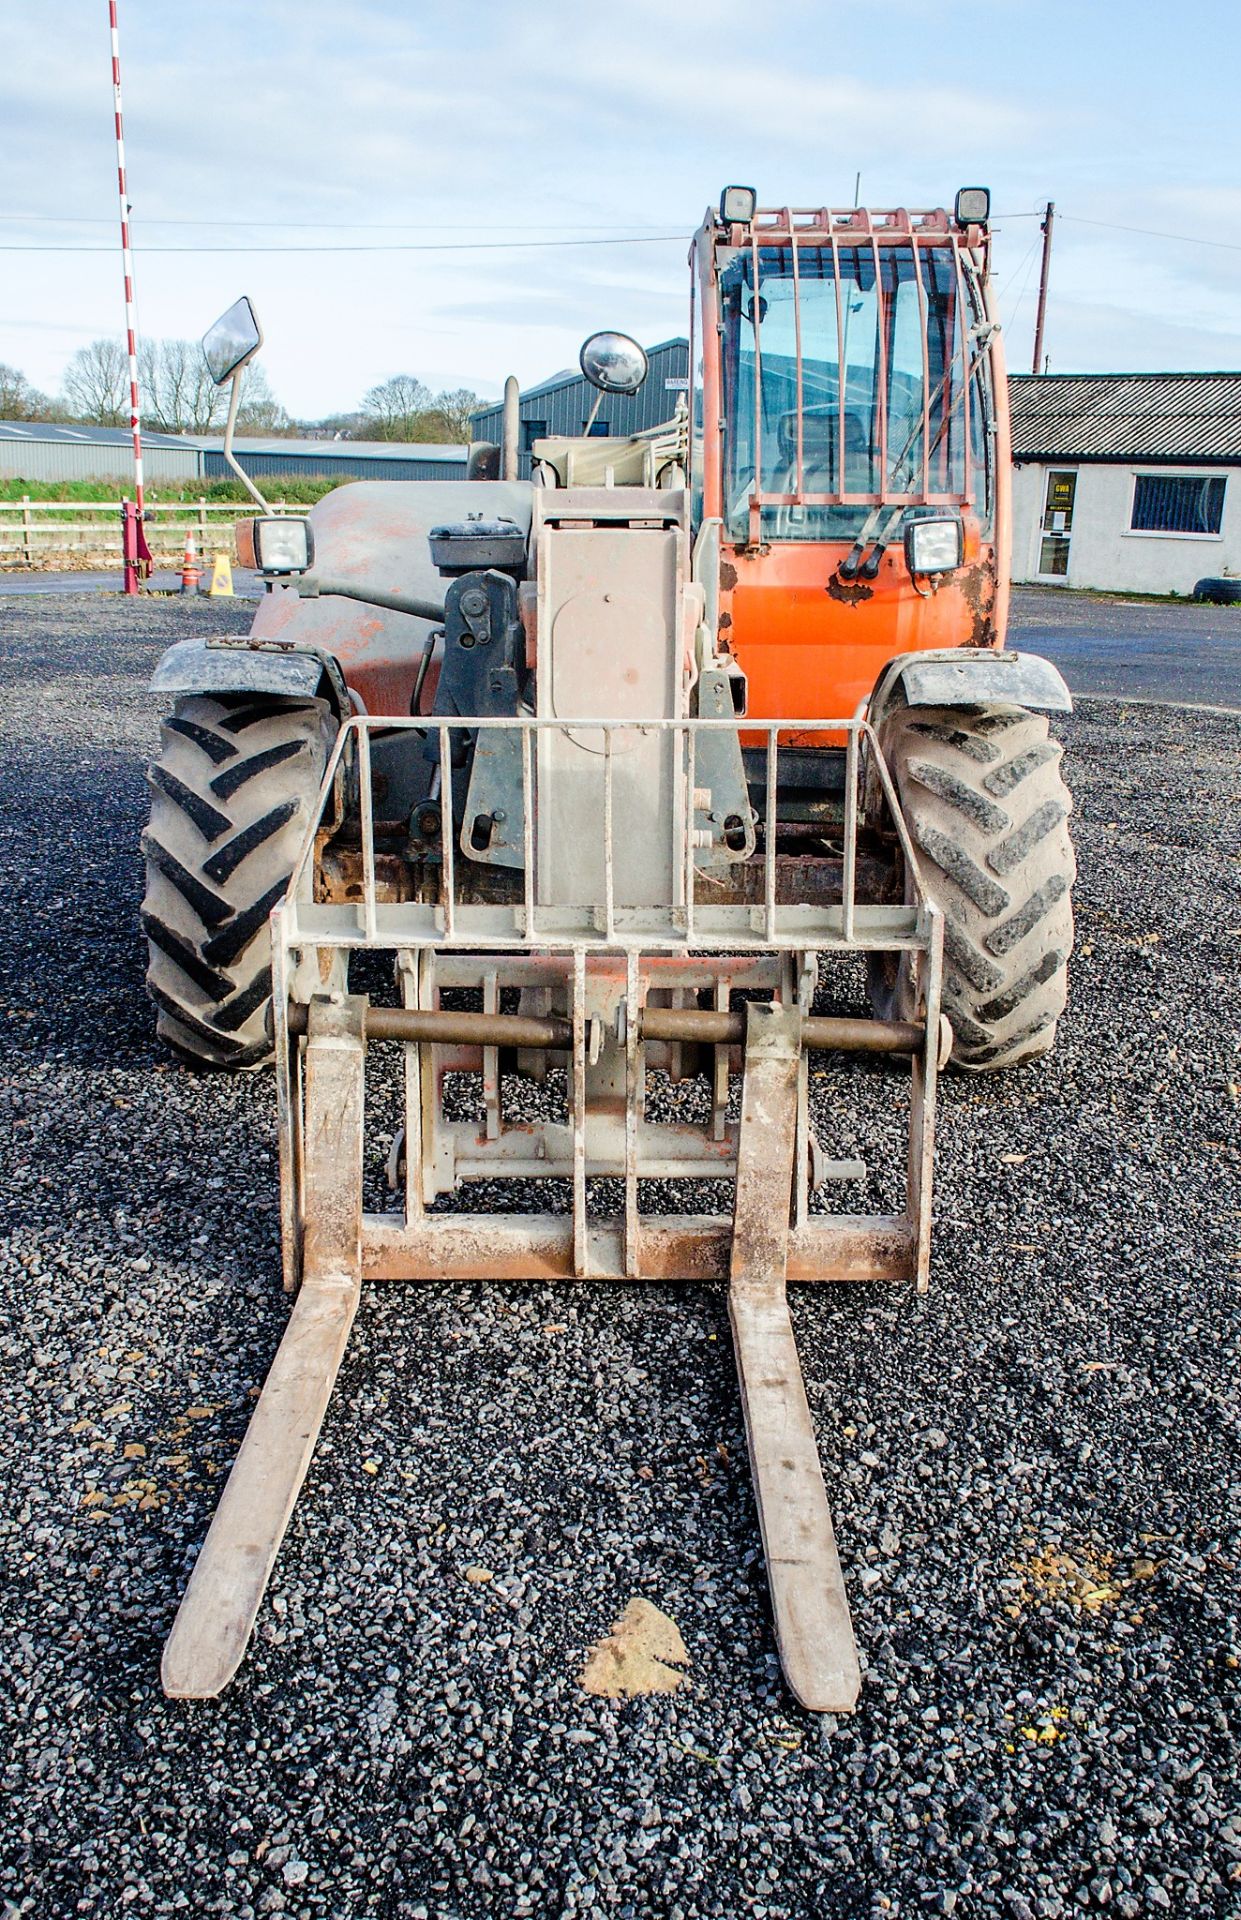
[{"x": 59, "y": 533}]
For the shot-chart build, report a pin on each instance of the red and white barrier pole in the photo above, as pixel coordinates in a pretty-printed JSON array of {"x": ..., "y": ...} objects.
[{"x": 140, "y": 566}]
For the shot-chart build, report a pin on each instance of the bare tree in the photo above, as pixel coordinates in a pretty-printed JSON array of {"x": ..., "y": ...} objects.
[
  {"x": 395, "y": 409},
  {"x": 260, "y": 411},
  {"x": 96, "y": 384},
  {"x": 178, "y": 393},
  {"x": 453, "y": 410},
  {"x": 18, "y": 399}
]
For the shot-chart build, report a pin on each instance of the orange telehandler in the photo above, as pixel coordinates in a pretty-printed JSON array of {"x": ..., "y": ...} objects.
[{"x": 606, "y": 759}]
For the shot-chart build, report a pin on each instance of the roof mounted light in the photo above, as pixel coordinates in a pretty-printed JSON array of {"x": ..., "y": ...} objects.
[
  {"x": 973, "y": 207},
  {"x": 737, "y": 206}
]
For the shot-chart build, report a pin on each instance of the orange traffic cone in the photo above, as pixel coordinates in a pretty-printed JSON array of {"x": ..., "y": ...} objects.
[{"x": 190, "y": 571}]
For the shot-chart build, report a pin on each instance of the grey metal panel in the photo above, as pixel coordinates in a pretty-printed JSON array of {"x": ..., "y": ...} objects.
[
  {"x": 1165, "y": 417},
  {"x": 94, "y": 460},
  {"x": 336, "y": 466},
  {"x": 56, "y": 450}
]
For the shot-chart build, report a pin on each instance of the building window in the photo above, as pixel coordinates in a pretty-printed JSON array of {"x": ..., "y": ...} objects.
[
  {"x": 597, "y": 429},
  {"x": 1173, "y": 503},
  {"x": 532, "y": 430}
]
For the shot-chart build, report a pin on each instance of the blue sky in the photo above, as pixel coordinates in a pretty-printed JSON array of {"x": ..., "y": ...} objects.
[{"x": 445, "y": 127}]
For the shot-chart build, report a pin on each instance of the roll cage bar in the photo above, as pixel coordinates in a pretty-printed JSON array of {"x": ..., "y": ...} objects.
[{"x": 799, "y": 228}]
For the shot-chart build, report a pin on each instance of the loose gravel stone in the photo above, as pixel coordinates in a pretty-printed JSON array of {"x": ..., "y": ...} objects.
[{"x": 1028, "y": 1466}]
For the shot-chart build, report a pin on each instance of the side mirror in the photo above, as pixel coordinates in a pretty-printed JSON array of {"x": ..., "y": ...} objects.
[
  {"x": 235, "y": 338},
  {"x": 613, "y": 362}
]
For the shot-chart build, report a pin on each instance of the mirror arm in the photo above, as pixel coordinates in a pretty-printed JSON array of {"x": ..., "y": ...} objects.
[
  {"x": 311, "y": 588},
  {"x": 594, "y": 412},
  {"x": 229, "y": 428}
]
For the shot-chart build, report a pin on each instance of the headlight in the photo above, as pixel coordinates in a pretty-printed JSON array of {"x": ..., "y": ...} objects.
[
  {"x": 279, "y": 545},
  {"x": 933, "y": 546}
]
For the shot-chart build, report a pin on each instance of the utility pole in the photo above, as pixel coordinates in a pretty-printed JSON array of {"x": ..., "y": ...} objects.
[{"x": 1049, "y": 219}]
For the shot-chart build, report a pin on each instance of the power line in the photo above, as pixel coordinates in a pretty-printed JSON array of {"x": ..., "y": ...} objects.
[
  {"x": 412, "y": 246},
  {"x": 350, "y": 226},
  {"x": 1151, "y": 233}
]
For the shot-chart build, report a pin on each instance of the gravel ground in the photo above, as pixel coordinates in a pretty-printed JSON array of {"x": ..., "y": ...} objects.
[{"x": 1030, "y": 1466}]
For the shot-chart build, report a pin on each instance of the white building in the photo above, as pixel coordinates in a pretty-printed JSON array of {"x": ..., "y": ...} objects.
[{"x": 1126, "y": 482}]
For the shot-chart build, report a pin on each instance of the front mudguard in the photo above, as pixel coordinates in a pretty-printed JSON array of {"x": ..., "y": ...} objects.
[
  {"x": 959, "y": 677},
  {"x": 968, "y": 677},
  {"x": 243, "y": 664}
]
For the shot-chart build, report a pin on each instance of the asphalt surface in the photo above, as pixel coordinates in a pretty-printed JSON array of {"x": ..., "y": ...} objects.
[
  {"x": 1145, "y": 649},
  {"x": 1029, "y": 1467},
  {"x": 164, "y": 580}
]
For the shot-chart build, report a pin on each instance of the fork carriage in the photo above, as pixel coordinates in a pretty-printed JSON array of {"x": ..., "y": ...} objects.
[{"x": 662, "y": 960}]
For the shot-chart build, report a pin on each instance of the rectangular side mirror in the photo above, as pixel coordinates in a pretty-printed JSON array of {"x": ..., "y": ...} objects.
[{"x": 235, "y": 338}]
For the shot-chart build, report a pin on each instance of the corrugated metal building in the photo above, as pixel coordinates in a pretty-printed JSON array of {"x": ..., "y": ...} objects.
[
  {"x": 41, "y": 450},
  {"x": 562, "y": 404},
  {"x": 1126, "y": 482},
  {"x": 337, "y": 459}
]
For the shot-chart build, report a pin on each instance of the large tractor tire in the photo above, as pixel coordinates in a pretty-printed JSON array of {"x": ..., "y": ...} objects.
[
  {"x": 987, "y": 809},
  {"x": 232, "y": 790}
]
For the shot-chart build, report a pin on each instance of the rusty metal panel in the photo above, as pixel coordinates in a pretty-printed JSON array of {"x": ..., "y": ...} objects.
[{"x": 374, "y": 534}]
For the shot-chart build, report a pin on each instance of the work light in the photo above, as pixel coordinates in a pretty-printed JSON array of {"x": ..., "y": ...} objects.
[
  {"x": 934, "y": 544},
  {"x": 737, "y": 206},
  {"x": 279, "y": 545},
  {"x": 973, "y": 207}
]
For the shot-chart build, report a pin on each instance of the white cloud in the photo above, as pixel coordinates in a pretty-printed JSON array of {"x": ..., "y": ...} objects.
[{"x": 488, "y": 119}]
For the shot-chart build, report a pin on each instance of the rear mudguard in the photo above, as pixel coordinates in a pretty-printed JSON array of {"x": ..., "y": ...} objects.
[{"x": 374, "y": 533}]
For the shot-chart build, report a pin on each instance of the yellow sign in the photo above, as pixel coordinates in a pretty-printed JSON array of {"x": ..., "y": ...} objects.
[{"x": 221, "y": 577}]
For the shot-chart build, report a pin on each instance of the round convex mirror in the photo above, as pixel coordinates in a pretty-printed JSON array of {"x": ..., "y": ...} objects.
[{"x": 613, "y": 362}]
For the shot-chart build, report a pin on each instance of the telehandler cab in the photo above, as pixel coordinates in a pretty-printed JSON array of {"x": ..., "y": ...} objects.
[{"x": 605, "y": 759}]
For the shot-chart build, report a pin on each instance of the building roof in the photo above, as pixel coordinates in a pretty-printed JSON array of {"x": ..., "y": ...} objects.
[
  {"x": 1172, "y": 417},
  {"x": 73, "y": 435},
  {"x": 339, "y": 449}
]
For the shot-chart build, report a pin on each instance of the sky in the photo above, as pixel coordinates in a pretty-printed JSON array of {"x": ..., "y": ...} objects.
[{"x": 430, "y": 139}]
